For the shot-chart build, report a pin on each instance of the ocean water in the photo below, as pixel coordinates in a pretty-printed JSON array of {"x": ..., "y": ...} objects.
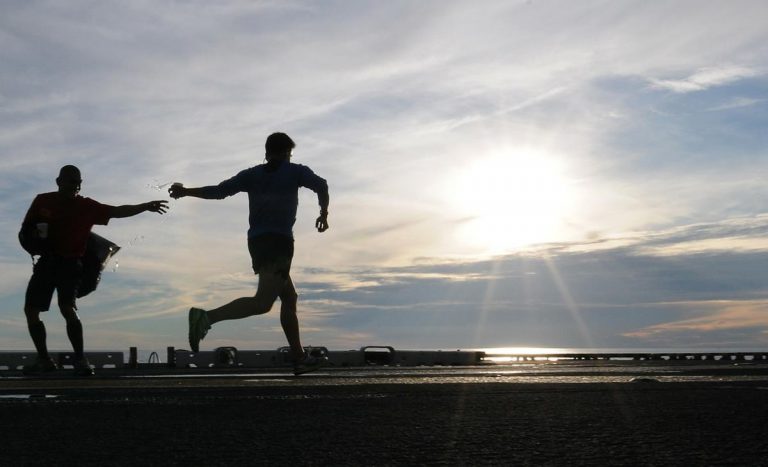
[
  {"x": 542, "y": 354},
  {"x": 611, "y": 350}
]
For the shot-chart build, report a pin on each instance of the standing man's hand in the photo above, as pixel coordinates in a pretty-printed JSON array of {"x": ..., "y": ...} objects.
[
  {"x": 160, "y": 207},
  {"x": 177, "y": 191},
  {"x": 322, "y": 222},
  {"x": 130, "y": 210}
]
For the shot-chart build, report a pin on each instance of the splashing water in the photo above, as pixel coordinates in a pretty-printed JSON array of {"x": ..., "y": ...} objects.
[
  {"x": 157, "y": 185},
  {"x": 136, "y": 240}
]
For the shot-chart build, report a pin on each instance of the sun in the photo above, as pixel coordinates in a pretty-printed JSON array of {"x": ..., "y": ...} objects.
[{"x": 510, "y": 199}]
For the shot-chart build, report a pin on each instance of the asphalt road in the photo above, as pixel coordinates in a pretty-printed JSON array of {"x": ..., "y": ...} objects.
[{"x": 275, "y": 419}]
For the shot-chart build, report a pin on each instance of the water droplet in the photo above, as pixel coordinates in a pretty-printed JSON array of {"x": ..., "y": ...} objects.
[{"x": 158, "y": 185}]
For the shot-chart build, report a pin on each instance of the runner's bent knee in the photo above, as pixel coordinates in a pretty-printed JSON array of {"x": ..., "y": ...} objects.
[{"x": 267, "y": 293}]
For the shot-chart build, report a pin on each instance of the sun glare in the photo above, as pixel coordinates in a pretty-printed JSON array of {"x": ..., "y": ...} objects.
[{"x": 511, "y": 199}]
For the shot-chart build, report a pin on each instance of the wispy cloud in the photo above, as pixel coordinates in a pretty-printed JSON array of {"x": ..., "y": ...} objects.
[
  {"x": 717, "y": 316},
  {"x": 705, "y": 78},
  {"x": 737, "y": 103}
]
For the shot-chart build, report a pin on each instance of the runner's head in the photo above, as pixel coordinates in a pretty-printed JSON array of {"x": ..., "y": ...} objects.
[
  {"x": 69, "y": 181},
  {"x": 278, "y": 147}
]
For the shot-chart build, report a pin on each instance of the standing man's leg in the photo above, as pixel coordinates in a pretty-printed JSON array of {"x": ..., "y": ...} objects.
[
  {"x": 37, "y": 300},
  {"x": 37, "y": 331},
  {"x": 43, "y": 363},
  {"x": 75, "y": 333},
  {"x": 74, "y": 329},
  {"x": 68, "y": 285}
]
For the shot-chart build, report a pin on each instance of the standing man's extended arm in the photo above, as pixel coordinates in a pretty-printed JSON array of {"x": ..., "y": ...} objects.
[{"x": 129, "y": 210}]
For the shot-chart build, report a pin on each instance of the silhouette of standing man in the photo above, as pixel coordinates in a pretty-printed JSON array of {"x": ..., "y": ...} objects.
[
  {"x": 272, "y": 190},
  {"x": 64, "y": 219}
]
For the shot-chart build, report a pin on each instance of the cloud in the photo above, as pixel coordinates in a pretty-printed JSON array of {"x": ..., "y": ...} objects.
[
  {"x": 578, "y": 295},
  {"x": 705, "y": 78},
  {"x": 736, "y": 234},
  {"x": 745, "y": 316},
  {"x": 737, "y": 103}
]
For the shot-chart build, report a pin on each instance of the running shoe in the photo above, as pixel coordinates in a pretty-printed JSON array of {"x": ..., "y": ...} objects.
[
  {"x": 198, "y": 327},
  {"x": 308, "y": 363},
  {"x": 41, "y": 365},
  {"x": 82, "y": 367}
]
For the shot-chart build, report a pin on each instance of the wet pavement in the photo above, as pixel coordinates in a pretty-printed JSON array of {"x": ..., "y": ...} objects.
[
  {"x": 159, "y": 376},
  {"x": 524, "y": 414}
]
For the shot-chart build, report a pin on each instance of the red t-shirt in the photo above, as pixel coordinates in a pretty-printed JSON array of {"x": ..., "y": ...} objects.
[{"x": 69, "y": 221}]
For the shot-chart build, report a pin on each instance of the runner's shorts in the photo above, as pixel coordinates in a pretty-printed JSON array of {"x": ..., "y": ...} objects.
[
  {"x": 54, "y": 273},
  {"x": 271, "y": 253}
]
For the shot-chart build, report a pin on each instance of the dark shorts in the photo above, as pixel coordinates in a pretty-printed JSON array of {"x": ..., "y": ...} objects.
[
  {"x": 271, "y": 253},
  {"x": 54, "y": 273}
]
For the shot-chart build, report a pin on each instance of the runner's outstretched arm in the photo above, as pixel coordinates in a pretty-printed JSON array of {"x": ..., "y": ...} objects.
[{"x": 177, "y": 190}]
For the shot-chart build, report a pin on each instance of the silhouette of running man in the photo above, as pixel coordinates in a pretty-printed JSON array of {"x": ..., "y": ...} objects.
[
  {"x": 272, "y": 190},
  {"x": 66, "y": 219}
]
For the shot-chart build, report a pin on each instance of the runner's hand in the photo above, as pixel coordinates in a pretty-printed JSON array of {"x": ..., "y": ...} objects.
[
  {"x": 322, "y": 222},
  {"x": 177, "y": 191}
]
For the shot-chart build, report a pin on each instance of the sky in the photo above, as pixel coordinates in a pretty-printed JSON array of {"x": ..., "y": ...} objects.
[{"x": 547, "y": 174}]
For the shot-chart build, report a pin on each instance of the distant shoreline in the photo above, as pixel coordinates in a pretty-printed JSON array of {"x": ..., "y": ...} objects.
[{"x": 384, "y": 355}]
